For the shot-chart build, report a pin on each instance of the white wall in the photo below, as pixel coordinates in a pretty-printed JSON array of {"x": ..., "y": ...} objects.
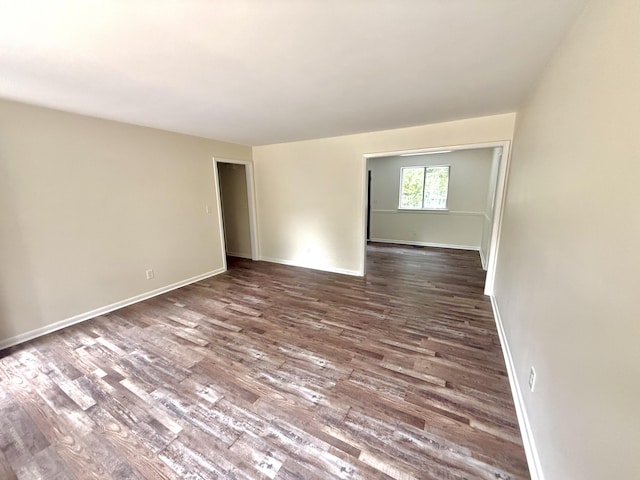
[
  {"x": 235, "y": 209},
  {"x": 489, "y": 208},
  {"x": 567, "y": 281},
  {"x": 88, "y": 205},
  {"x": 459, "y": 226},
  {"x": 310, "y": 194}
]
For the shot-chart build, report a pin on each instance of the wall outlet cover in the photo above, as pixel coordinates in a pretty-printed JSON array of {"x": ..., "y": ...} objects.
[{"x": 532, "y": 379}]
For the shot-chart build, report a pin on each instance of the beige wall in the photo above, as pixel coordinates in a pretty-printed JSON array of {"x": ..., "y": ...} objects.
[
  {"x": 459, "y": 226},
  {"x": 88, "y": 205},
  {"x": 568, "y": 269},
  {"x": 235, "y": 209},
  {"x": 310, "y": 194}
]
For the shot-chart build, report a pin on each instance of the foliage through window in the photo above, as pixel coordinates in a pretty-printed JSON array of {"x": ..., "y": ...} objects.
[{"x": 424, "y": 187}]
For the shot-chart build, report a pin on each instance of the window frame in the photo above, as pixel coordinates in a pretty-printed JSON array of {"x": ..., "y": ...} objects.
[{"x": 423, "y": 208}]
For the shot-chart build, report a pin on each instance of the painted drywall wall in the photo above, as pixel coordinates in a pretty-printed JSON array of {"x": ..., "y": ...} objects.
[
  {"x": 88, "y": 205},
  {"x": 459, "y": 226},
  {"x": 235, "y": 209},
  {"x": 567, "y": 276},
  {"x": 310, "y": 194},
  {"x": 489, "y": 208}
]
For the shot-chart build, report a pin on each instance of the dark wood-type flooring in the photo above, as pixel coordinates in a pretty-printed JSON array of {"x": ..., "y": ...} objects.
[{"x": 269, "y": 371}]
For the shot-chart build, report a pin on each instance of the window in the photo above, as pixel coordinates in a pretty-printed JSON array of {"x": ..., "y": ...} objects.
[{"x": 424, "y": 188}]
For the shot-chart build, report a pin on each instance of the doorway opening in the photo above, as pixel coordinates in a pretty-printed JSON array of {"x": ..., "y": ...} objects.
[
  {"x": 236, "y": 208},
  {"x": 449, "y": 197}
]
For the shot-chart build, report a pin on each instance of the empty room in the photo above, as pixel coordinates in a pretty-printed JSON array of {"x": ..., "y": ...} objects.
[{"x": 319, "y": 239}]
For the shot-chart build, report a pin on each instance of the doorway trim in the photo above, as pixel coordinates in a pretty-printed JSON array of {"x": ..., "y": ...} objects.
[
  {"x": 251, "y": 201},
  {"x": 500, "y": 193}
]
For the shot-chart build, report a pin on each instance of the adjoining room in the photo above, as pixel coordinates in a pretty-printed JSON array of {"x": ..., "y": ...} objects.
[{"x": 441, "y": 198}]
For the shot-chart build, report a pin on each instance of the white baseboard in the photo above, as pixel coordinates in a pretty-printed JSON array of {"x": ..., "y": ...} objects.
[
  {"x": 483, "y": 260},
  {"x": 533, "y": 459},
  {"x": 426, "y": 244},
  {"x": 292, "y": 263},
  {"x": 30, "y": 335}
]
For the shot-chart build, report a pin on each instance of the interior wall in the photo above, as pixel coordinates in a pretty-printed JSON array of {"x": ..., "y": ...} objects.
[
  {"x": 460, "y": 226},
  {"x": 89, "y": 205},
  {"x": 489, "y": 208},
  {"x": 567, "y": 277},
  {"x": 310, "y": 194},
  {"x": 235, "y": 208}
]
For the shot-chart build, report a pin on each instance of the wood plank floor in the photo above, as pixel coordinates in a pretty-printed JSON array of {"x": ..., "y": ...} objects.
[{"x": 269, "y": 371}]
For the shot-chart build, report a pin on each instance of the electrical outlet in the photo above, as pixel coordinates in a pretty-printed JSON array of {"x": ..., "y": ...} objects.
[
  {"x": 532, "y": 379},
  {"x": 149, "y": 273}
]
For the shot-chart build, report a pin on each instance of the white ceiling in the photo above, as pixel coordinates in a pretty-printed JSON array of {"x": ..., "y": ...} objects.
[{"x": 267, "y": 71}]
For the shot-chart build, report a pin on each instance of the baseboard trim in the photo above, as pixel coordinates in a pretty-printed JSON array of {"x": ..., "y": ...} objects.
[
  {"x": 533, "y": 459},
  {"x": 483, "y": 260},
  {"x": 426, "y": 244},
  {"x": 343, "y": 271},
  {"x": 38, "y": 332}
]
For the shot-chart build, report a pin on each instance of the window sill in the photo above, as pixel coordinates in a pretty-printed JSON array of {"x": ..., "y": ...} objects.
[{"x": 424, "y": 210}]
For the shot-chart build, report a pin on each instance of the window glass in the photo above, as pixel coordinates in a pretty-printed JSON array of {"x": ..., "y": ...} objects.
[{"x": 424, "y": 187}]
